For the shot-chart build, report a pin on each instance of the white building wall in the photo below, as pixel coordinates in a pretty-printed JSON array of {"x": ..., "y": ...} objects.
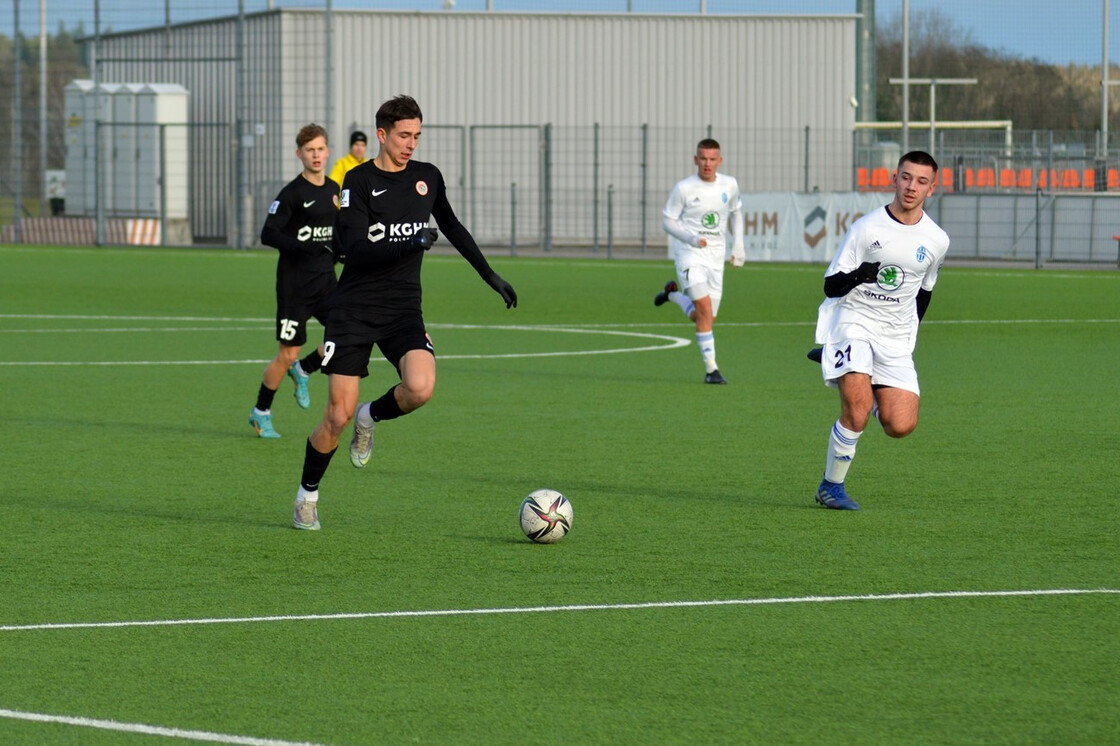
[{"x": 651, "y": 86}]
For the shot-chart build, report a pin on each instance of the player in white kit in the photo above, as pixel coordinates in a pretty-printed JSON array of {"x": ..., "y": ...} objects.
[
  {"x": 878, "y": 287},
  {"x": 698, "y": 215}
]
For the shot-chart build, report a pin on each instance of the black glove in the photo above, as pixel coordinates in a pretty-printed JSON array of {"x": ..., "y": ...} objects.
[
  {"x": 842, "y": 283},
  {"x": 509, "y": 295},
  {"x": 424, "y": 238},
  {"x": 867, "y": 272}
]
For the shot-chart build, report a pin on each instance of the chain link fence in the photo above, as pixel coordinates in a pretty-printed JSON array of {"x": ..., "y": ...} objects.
[{"x": 528, "y": 186}]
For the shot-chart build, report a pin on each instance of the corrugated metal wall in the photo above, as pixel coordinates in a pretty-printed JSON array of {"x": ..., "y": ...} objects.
[
  {"x": 691, "y": 71},
  {"x": 773, "y": 89}
]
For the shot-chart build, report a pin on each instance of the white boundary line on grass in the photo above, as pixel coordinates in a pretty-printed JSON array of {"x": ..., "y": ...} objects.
[
  {"x": 151, "y": 730},
  {"x": 114, "y": 725},
  {"x": 667, "y": 343},
  {"x": 551, "y": 609}
]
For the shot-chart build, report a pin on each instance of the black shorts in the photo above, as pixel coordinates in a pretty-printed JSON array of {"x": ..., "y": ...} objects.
[
  {"x": 294, "y": 308},
  {"x": 349, "y": 340}
]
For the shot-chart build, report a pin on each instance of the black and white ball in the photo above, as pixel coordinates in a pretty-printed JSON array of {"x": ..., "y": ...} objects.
[{"x": 546, "y": 516}]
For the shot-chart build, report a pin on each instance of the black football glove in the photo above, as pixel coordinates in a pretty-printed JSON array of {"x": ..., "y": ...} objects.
[
  {"x": 867, "y": 272},
  {"x": 424, "y": 239},
  {"x": 504, "y": 289}
]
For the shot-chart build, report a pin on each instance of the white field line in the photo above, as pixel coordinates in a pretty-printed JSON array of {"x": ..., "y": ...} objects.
[
  {"x": 521, "y": 327},
  {"x": 151, "y": 730},
  {"x": 666, "y": 343},
  {"x": 556, "y": 609},
  {"x": 598, "y": 329}
]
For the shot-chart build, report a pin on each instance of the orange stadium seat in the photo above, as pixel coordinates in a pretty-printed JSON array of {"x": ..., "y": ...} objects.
[
  {"x": 862, "y": 179},
  {"x": 947, "y": 179},
  {"x": 880, "y": 177},
  {"x": 1026, "y": 179},
  {"x": 1089, "y": 178},
  {"x": 986, "y": 177},
  {"x": 969, "y": 178},
  {"x": 1113, "y": 179},
  {"x": 1006, "y": 178},
  {"x": 1070, "y": 179}
]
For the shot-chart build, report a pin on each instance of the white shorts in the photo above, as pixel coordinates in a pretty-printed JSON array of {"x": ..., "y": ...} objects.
[
  {"x": 699, "y": 277},
  {"x": 886, "y": 367}
]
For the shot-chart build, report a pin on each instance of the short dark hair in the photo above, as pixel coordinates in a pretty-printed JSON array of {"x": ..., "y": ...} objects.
[
  {"x": 396, "y": 109},
  {"x": 918, "y": 158},
  {"x": 309, "y": 132},
  {"x": 707, "y": 144}
]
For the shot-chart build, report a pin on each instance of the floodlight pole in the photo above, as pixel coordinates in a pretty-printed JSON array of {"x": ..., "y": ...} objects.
[
  {"x": 905, "y": 76},
  {"x": 1105, "y": 83},
  {"x": 932, "y": 83}
]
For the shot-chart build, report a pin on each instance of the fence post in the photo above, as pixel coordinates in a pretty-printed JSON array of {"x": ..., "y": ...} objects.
[
  {"x": 546, "y": 189},
  {"x": 513, "y": 219},
  {"x": 610, "y": 221},
  {"x": 805, "y": 185},
  {"x": 1038, "y": 229},
  {"x": 595, "y": 189},
  {"x": 644, "y": 169}
]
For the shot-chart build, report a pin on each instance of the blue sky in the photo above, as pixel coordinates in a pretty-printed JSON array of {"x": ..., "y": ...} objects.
[{"x": 1054, "y": 31}]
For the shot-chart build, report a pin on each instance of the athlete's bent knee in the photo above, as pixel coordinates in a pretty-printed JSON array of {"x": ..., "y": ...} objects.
[{"x": 899, "y": 430}]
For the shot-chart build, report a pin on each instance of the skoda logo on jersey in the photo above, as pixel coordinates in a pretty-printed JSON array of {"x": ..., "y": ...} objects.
[
  {"x": 376, "y": 232},
  {"x": 891, "y": 277},
  {"x": 920, "y": 254},
  {"x": 710, "y": 221}
]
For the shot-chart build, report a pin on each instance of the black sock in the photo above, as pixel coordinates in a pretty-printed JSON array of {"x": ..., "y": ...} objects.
[
  {"x": 312, "y": 362},
  {"x": 385, "y": 408},
  {"x": 264, "y": 398},
  {"x": 314, "y": 467}
]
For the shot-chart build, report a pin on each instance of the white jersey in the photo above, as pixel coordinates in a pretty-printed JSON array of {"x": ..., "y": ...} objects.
[
  {"x": 699, "y": 209},
  {"x": 909, "y": 257}
]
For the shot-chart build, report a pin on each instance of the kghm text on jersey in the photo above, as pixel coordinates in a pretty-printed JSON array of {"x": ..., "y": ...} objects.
[{"x": 315, "y": 233}]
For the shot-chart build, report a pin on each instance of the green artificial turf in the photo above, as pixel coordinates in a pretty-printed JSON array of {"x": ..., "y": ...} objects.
[{"x": 135, "y": 491}]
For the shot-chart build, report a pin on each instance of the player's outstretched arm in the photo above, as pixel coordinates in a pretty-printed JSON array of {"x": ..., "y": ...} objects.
[
  {"x": 842, "y": 283},
  {"x": 465, "y": 244},
  {"x": 923, "y": 299}
]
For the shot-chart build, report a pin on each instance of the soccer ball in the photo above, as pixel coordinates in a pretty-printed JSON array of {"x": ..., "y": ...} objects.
[{"x": 546, "y": 516}]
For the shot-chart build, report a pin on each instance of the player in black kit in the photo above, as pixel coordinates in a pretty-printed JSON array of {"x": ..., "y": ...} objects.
[
  {"x": 300, "y": 225},
  {"x": 382, "y": 231}
]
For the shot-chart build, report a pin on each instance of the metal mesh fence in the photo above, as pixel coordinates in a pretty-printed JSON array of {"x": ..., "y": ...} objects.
[{"x": 526, "y": 185}]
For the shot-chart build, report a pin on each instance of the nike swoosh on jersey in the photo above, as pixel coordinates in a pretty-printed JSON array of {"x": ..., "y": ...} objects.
[
  {"x": 379, "y": 193},
  {"x": 308, "y": 204}
]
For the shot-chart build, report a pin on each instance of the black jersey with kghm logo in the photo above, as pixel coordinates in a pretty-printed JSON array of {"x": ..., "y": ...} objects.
[
  {"x": 300, "y": 225},
  {"x": 380, "y": 214}
]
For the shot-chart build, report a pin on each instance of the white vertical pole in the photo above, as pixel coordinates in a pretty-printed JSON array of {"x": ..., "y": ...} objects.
[
  {"x": 43, "y": 106},
  {"x": 1104, "y": 82},
  {"x": 905, "y": 76}
]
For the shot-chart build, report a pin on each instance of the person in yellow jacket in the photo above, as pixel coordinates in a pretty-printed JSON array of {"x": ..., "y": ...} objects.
[{"x": 355, "y": 157}]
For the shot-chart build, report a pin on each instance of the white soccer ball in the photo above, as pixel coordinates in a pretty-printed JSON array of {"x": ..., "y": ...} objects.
[{"x": 546, "y": 516}]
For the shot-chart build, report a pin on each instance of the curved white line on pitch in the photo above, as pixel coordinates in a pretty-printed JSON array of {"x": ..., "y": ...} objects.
[
  {"x": 670, "y": 343},
  {"x": 151, "y": 730},
  {"x": 578, "y": 607}
]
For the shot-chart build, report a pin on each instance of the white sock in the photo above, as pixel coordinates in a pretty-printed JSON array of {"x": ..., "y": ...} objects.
[
  {"x": 261, "y": 411},
  {"x": 707, "y": 343},
  {"x": 363, "y": 417},
  {"x": 308, "y": 497},
  {"x": 683, "y": 301},
  {"x": 841, "y": 450}
]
